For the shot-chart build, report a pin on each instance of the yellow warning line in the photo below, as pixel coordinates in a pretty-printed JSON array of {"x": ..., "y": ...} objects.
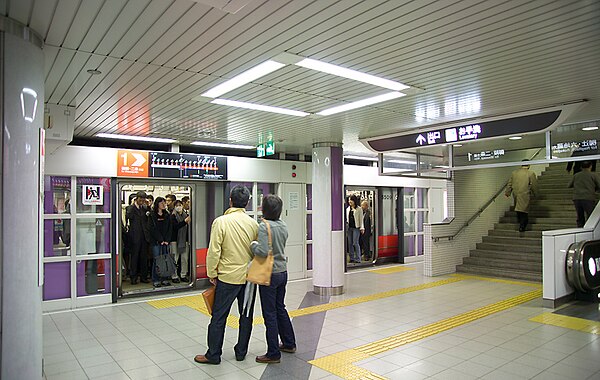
[
  {"x": 573, "y": 323},
  {"x": 391, "y": 270},
  {"x": 341, "y": 363},
  {"x": 499, "y": 280}
]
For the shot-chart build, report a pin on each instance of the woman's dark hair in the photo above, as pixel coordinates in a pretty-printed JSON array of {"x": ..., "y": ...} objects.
[
  {"x": 271, "y": 207},
  {"x": 177, "y": 202},
  {"x": 240, "y": 195},
  {"x": 354, "y": 198},
  {"x": 156, "y": 202}
]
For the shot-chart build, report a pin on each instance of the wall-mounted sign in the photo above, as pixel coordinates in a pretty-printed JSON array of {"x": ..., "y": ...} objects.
[
  {"x": 486, "y": 155},
  {"x": 171, "y": 165},
  {"x": 575, "y": 146},
  {"x": 92, "y": 195},
  {"x": 477, "y": 131},
  {"x": 265, "y": 148}
]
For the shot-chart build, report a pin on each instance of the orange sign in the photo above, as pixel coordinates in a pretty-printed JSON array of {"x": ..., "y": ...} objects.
[{"x": 131, "y": 163}]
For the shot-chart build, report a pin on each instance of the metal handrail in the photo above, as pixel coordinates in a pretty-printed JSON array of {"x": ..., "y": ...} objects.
[{"x": 479, "y": 211}]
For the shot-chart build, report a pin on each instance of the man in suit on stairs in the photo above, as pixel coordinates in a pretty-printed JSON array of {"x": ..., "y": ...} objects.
[{"x": 522, "y": 184}]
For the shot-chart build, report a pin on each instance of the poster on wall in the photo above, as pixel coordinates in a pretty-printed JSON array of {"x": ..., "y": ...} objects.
[{"x": 92, "y": 195}]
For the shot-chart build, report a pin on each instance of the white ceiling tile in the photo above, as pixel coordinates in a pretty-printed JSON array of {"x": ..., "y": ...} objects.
[
  {"x": 82, "y": 22},
  {"x": 62, "y": 18},
  {"x": 40, "y": 22},
  {"x": 102, "y": 24},
  {"x": 20, "y": 10}
]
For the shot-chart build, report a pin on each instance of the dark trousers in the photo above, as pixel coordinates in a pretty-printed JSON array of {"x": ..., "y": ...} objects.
[
  {"x": 365, "y": 243},
  {"x": 277, "y": 319},
  {"x": 225, "y": 294},
  {"x": 137, "y": 262},
  {"x": 523, "y": 219},
  {"x": 584, "y": 209}
]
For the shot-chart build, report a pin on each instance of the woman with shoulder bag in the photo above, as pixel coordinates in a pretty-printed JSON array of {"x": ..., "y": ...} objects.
[
  {"x": 272, "y": 297},
  {"x": 159, "y": 229}
]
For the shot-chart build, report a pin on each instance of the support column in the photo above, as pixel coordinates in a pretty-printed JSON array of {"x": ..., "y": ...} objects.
[
  {"x": 328, "y": 218},
  {"x": 22, "y": 113}
]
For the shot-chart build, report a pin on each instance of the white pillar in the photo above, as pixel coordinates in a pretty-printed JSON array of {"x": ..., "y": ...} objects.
[
  {"x": 328, "y": 218},
  {"x": 22, "y": 113}
]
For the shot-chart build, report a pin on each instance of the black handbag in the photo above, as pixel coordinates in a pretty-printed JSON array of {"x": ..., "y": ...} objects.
[{"x": 164, "y": 263}]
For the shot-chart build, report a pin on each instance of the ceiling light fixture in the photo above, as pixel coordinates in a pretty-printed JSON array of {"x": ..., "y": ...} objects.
[
  {"x": 94, "y": 71},
  {"x": 361, "y": 158},
  {"x": 361, "y": 103},
  {"x": 259, "y": 107},
  {"x": 244, "y": 78},
  {"x": 515, "y": 138},
  {"x": 135, "y": 138},
  {"x": 339, "y": 71},
  {"x": 589, "y": 128},
  {"x": 457, "y": 145},
  {"x": 223, "y": 145}
]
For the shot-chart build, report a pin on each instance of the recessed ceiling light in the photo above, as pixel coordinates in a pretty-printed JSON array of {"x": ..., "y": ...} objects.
[
  {"x": 361, "y": 158},
  {"x": 223, "y": 145},
  {"x": 94, "y": 71},
  {"x": 135, "y": 138},
  {"x": 259, "y": 107},
  {"x": 589, "y": 128},
  {"x": 515, "y": 138},
  {"x": 361, "y": 103},
  {"x": 243, "y": 78},
  {"x": 351, "y": 74},
  {"x": 457, "y": 145}
]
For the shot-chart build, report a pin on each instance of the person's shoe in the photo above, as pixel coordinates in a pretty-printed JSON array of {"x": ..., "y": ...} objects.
[
  {"x": 203, "y": 360},
  {"x": 289, "y": 350},
  {"x": 143, "y": 280},
  {"x": 156, "y": 284},
  {"x": 166, "y": 283},
  {"x": 185, "y": 279},
  {"x": 266, "y": 360},
  {"x": 240, "y": 358},
  {"x": 175, "y": 280},
  {"x": 134, "y": 281}
]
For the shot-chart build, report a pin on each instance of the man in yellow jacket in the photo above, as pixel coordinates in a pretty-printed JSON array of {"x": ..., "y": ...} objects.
[
  {"x": 522, "y": 184},
  {"x": 226, "y": 265}
]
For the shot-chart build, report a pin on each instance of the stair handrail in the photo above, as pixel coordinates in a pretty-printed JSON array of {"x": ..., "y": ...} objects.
[{"x": 480, "y": 210}]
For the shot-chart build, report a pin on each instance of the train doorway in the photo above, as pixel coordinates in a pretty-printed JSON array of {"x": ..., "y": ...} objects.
[{"x": 360, "y": 243}]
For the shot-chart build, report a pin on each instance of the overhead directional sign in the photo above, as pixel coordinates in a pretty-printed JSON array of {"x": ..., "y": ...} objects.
[
  {"x": 132, "y": 163},
  {"x": 171, "y": 165}
]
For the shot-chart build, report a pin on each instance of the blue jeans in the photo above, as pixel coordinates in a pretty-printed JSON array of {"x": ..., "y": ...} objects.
[
  {"x": 353, "y": 246},
  {"x": 225, "y": 294},
  {"x": 277, "y": 319},
  {"x": 158, "y": 250}
]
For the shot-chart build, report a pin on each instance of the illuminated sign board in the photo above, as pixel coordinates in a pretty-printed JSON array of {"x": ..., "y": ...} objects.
[
  {"x": 575, "y": 146},
  {"x": 469, "y": 132},
  {"x": 187, "y": 165},
  {"x": 486, "y": 155}
]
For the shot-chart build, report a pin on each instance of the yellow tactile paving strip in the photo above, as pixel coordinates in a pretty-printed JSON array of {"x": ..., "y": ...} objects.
[
  {"x": 573, "y": 323},
  {"x": 391, "y": 270},
  {"x": 341, "y": 363},
  {"x": 499, "y": 280}
]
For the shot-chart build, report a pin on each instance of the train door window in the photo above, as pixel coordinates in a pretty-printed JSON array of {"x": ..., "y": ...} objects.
[
  {"x": 309, "y": 259},
  {"x": 363, "y": 240},
  {"x": 250, "y": 185},
  {"x": 416, "y": 213}
]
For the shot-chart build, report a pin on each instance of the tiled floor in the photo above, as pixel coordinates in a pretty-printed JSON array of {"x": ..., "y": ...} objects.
[{"x": 138, "y": 341}]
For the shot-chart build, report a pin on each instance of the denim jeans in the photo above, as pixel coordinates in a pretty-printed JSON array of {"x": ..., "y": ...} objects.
[
  {"x": 158, "y": 250},
  {"x": 225, "y": 294},
  {"x": 353, "y": 246},
  {"x": 277, "y": 320}
]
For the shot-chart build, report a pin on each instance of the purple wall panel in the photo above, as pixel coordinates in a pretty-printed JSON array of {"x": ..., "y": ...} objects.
[
  {"x": 49, "y": 238},
  {"x": 57, "y": 280},
  {"x": 309, "y": 226},
  {"x": 309, "y": 257},
  {"x": 337, "y": 187},
  {"x": 309, "y": 196}
]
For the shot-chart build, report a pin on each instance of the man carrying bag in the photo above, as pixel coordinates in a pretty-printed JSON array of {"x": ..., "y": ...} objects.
[{"x": 227, "y": 264}]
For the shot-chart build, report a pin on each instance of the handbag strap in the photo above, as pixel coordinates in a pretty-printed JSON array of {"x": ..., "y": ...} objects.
[{"x": 270, "y": 237}]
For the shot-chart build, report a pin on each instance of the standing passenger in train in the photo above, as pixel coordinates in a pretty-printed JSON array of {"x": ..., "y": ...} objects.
[
  {"x": 226, "y": 266},
  {"x": 365, "y": 238},
  {"x": 585, "y": 184},
  {"x": 160, "y": 229},
  {"x": 137, "y": 221},
  {"x": 522, "y": 184},
  {"x": 179, "y": 240},
  {"x": 354, "y": 217},
  {"x": 272, "y": 297},
  {"x": 170, "y": 198}
]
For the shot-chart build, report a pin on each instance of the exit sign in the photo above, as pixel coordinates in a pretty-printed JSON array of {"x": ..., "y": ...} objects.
[
  {"x": 270, "y": 148},
  {"x": 260, "y": 150},
  {"x": 265, "y": 148}
]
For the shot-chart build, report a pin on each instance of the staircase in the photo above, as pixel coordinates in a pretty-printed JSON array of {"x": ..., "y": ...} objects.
[{"x": 506, "y": 252}]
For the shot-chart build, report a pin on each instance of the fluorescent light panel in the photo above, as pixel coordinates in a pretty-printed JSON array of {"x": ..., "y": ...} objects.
[
  {"x": 361, "y": 103},
  {"x": 361, "y": 158},
  {"x": 589, "y": 128},
  {"x": 243, "y": 78},
  {"x": 223, "y": 145},
  {"x": 135, "y": 138},
  {"x": 328, "y": 68},
  {"x": 515, "y": 138},
  {"x": 259, "y": 107}
]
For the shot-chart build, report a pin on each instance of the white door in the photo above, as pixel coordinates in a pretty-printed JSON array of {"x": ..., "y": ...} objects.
[{"x": 294, "y": 216}]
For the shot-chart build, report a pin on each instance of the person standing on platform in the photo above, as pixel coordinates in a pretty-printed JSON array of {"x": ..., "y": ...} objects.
[
  {"x": 226, "y": 266},
  {"x": 365, "y": 239},
  {"x": 137, "y": 220},
  {"x": 585, "y": 184},
  {"x": 354, "y": 218},
  {"x": 522, "y": 184}
]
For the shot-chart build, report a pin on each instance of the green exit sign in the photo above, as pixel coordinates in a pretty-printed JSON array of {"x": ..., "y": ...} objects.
[
  {"x": 270, "y": 148},
  {"x": 260, "y": 150}
]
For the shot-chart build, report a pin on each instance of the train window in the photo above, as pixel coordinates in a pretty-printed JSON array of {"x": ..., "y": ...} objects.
[
  {"x": 93, "y": 195},
  {"x": 93, "y": 236},
  {"x": 57, "y": 195}
]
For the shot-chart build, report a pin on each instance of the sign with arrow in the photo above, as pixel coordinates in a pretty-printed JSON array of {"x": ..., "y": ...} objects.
[
  {"x": 132, "y": 163},
  {"x": 420, "y": 140}
]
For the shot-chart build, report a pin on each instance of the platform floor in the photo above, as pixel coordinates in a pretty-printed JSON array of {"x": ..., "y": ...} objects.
[{"x": 391, "y": 323}]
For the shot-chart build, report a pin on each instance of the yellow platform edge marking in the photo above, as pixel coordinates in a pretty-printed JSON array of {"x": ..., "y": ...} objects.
[
  {"x": 499, "y": 280},
  {"x": 391, "y": 270},
  {"x": 341, "y": 363},
  {"x": 573, "y": 323}
]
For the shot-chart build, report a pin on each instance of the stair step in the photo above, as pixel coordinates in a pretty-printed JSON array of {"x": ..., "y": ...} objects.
[
  {"x": 569, "y": 213},
  {"x": 528, "y": 266},
  {"x": 515, "y": 234},
  {"x": 535, "y": 227},
  {"x": 536, "y": 220},
  {"x": 509, "y": 240},
  {"x": 506, "y": 255},
  {"x": 517, "y": 248},
  {"x": 495, "y": 272}
]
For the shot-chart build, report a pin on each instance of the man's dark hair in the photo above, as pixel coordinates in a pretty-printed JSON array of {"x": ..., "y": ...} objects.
[
  {"x": 240, "y": 195},
  {"x": 172, "y": 197},
  {"x": 586, "y": 164},
  {"x": 271, "y": 207},
  {"x": 185, "y": 199},
  {"x": 150, "y": 196}
]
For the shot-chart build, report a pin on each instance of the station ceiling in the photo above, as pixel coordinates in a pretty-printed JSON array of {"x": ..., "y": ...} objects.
[{"x": 467, "y": 58}]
